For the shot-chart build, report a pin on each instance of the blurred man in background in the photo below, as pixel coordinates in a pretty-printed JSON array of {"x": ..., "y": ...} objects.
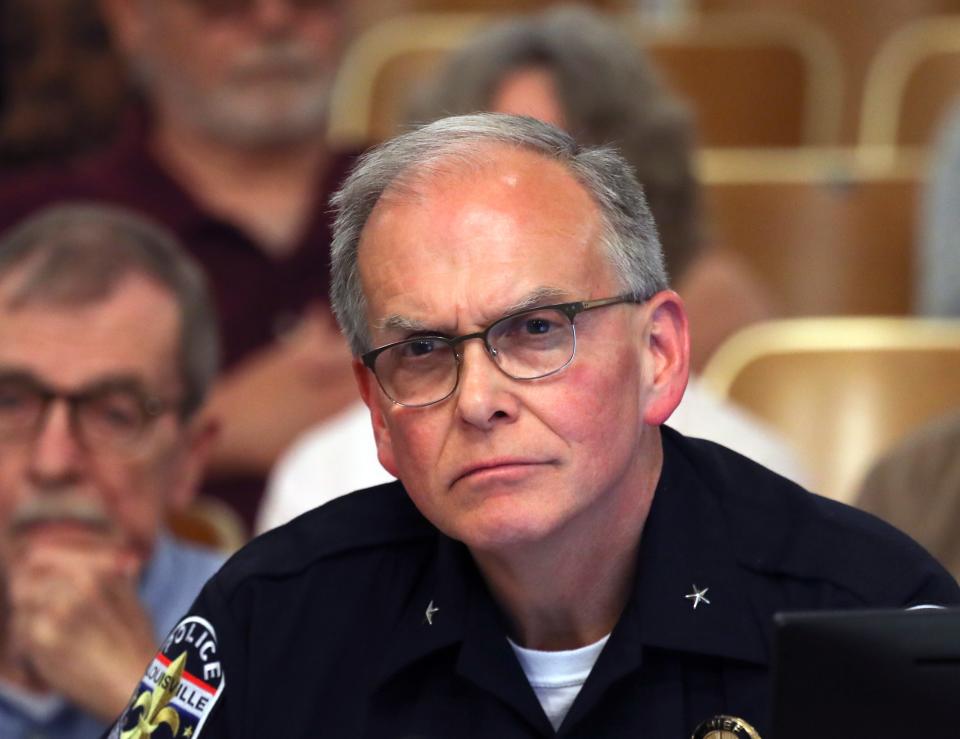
[
  {"x": 108, "y": 345},
  {"x": 228, "y": 150}
]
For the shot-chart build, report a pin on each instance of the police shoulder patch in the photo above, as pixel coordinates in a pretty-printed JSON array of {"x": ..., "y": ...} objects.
[{"x": 179, "y": 689}]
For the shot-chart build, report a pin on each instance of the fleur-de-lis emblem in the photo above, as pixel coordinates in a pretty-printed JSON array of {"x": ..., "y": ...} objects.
[{"x": 153, "y": 704}]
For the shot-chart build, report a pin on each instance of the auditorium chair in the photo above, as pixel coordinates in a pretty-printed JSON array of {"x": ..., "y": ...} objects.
[
  {"x": 911, "y": 83},
  {"x": 752, "y": 79},
  {"x": 842, "y": 390}
]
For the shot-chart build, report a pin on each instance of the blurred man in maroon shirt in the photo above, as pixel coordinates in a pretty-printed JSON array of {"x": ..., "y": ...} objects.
[{"x": 228, "y": 150}]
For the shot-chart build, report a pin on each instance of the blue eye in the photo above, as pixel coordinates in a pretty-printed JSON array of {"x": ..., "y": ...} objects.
[
  {"x": 538, "y": 325},
  {"x": 419, "y": 347}
]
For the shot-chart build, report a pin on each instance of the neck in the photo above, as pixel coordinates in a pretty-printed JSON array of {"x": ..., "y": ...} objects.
[
  {"x": 570, "y": 591},
  {"x": 266, "y": 191}
]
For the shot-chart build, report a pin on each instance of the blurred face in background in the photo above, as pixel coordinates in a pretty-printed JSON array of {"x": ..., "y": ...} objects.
[
  {"x": 63, "y": 85},
  {"x": 75, "y": 477},
  {"x": 253, "y": 72}
]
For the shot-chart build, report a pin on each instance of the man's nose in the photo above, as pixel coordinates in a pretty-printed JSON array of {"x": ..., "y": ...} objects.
[
  {"x": 57, "y": 453},
  {"x": 485, "y": 396}
]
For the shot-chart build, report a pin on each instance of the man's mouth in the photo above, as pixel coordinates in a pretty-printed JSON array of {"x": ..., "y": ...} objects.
[{"x": 498, "y": 468}]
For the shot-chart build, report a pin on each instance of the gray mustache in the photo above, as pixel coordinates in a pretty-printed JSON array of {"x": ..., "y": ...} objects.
[{"x": 53, "y": 508}]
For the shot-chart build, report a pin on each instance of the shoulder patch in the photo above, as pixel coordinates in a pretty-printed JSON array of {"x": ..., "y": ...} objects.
[{"x": 179, "y": 689}]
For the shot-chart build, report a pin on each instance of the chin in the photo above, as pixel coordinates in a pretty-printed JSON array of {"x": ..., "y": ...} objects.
[{"x": 503, "y": 529}]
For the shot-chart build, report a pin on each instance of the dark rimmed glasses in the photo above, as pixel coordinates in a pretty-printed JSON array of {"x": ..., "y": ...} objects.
[
  {"x": 113, "y": 415},
  {"x": 526, "y": 345}
]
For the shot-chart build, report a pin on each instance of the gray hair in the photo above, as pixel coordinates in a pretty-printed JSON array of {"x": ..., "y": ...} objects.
[
  {"x": 77, "y": 253},
  {"x": 609, "y": 93},
  {"x": 630, "y": 236}
]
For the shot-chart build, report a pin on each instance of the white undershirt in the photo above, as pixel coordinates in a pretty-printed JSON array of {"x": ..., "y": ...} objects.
[{"x": 556, "y": 677}]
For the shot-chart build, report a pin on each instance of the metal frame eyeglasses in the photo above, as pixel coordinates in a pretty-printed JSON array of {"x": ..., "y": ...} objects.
[{"x": 527, "y": 345}]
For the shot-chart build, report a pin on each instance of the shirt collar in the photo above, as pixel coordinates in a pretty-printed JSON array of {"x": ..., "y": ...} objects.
[
  {"x": 463, "y": 616},
  {"x": 688, "y": 541},
  {"x": 130, "y": 166},
  {"x": 131, "y": 158}
]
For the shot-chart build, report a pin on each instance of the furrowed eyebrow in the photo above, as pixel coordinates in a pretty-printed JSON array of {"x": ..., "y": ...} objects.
[
  {"x": 537, "y": 297},
  {"x": 397, "y": 322}
]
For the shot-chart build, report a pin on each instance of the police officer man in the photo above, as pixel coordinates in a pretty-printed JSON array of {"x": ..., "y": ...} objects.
[{"x": 553, "y": 559}]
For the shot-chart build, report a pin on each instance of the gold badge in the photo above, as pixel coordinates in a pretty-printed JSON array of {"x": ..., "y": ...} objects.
[{"x": 725, "y": 727}]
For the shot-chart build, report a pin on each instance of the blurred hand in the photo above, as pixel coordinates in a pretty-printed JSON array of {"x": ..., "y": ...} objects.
[
  {"x": 271, "y": 398},
  {"x": 75, "y": 621}
]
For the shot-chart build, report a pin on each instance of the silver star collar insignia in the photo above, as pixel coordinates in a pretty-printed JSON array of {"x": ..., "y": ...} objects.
[
  {"x": 431, "y": 609},
  {"x": 698, "y": 596}
]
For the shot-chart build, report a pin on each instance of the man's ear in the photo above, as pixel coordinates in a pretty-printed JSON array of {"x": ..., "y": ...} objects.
[
  {"x": 125, "y": 20},
  {"x": 370, "y": 392},
  {"x": 667, "y": 356},
  {"x": 202, "y": 433}
]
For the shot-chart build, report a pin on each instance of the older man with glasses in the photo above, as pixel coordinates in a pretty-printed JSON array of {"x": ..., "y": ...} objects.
[
  {"x": 553, "y": 559},
  {"x": 108, "y": 345}
]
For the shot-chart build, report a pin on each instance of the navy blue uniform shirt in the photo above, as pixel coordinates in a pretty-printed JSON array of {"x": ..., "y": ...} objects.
[{"x": 321, "y": 627}]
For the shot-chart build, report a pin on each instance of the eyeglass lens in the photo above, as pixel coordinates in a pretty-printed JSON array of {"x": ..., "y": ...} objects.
[
  {"x": 525, "y": 346},
  {"x": 106, "y": 417}
]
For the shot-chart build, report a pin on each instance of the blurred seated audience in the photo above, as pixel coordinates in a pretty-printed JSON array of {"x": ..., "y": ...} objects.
[
  {"x": 63, "y": 86},
  {"x": 938, "y": 288},
  {"x": 916, "y": 487},
  {"x": 228, "y": 150},
  {"x": 108, "y": 346},
  {"x": 569, "y": 67}
]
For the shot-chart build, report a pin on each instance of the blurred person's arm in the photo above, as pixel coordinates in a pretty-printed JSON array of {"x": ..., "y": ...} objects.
[{"x": 268, "y": 400}]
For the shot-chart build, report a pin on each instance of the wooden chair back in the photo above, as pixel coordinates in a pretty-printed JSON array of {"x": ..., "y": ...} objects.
[
  {"x": 842, "y": 390},
  {"x": 913, "y": 80},
  {"x": 752, "y": 80},
  {"x": 827, "y": 231}
]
